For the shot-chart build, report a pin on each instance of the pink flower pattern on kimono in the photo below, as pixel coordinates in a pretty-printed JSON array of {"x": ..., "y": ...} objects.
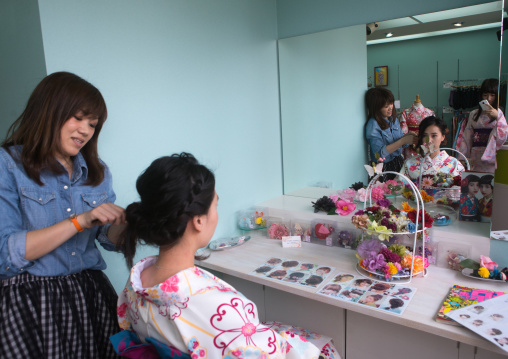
[
  {"x": 170, "y": 284},
  {"x": 250, "y": 331}
]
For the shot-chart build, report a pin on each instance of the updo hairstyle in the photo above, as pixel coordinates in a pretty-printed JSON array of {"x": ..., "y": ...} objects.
[
  {"x": 172, "y": 191},
  {"x": 430, "y": 121}
]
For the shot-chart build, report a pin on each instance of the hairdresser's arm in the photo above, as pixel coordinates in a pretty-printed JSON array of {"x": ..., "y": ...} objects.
[
  {"x": 42, "y": 241},
  {"x": 408, "y": 139}
]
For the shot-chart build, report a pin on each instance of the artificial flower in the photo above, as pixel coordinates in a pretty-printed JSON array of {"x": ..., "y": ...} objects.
[
  {"x": 426, "y": 197},
  {"x": 406, "y": 260},
  {"x": 428, "y": 218},
  {"x": 487, "y": 263},
  {"x": 323, "y": 204},
  {"x": 399, "y": 249},
  {"x": 377, "y": 193},
  {"x": 360, "y": 221},
  {"x": 483, "y": 272},
  {"x": 344, "y": 207},
  {"x": 383, "y": 233},
  {"x": 383, "y": 202},
  {"x": 390, "y": 256},
  {"x": 277, "y": 231},
  {"x": 369, "y": 246},
  {"x": 411, "y": 227},
  {"x": 406, "y": 207},
  {"x": 334, "y": 197},
  {"x": 427, "y": 182},
  {"x": 361, "y": 195},
  {"x": 374, "y": 262},
  {"x": 357, "y": 185},
  {"x": 348, "y": 194},
  {"x": 418, "y": 264},
  {"x": 391, "y": 267}
]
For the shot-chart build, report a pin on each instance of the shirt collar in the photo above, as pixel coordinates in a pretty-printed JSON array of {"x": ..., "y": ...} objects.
[{"x": 80, "y": 168}]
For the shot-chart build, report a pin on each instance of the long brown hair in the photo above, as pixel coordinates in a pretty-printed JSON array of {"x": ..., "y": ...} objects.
[
  {"x": 488, "y": 86},
  {"x": 375, "y": 99},
  {"x": 56, "y": 98}
]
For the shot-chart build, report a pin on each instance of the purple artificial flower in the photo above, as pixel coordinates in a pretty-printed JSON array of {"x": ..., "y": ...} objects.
[
  {"x": 359, "y": 213},
  {"x": 383, "y": 202},
  {"x": 369, "y": 248},
  {"x": 390, "y": 256},
  {"x": 374, "y": 262}
]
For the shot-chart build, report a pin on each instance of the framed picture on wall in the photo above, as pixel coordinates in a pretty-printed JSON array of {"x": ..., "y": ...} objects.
[{"x": 381, "y": 76}]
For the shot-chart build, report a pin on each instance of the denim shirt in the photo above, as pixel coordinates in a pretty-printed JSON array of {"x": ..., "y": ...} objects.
[
  {"x": 378, "y": 139},
  {"x": 27, "y": 206}
]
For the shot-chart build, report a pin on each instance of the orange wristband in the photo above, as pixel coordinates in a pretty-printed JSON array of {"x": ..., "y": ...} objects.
[{"x": 74, "y": 220}]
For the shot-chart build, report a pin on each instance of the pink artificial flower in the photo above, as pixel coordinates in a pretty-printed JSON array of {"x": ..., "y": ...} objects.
[
  {"x": 392, "y": 182},
  {"x": 377, "y": 193},
  {"x": 360, "y": 195},
  {"x": 348, "y": 194},
  {"x": 487, "y": 263},
  {"x": 334, "y": 197},
  {"x": 427, "y": 182},
  {"x": 344, "y": 207}
]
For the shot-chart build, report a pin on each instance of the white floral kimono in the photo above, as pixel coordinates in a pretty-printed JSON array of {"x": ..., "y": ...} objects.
[
  {"x": 198, "y": 313},
  {"x": 442, "y": 163}
]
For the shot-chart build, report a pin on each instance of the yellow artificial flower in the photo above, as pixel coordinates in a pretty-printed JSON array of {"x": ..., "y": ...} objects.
[
  {"x": 483, "y": 272},
  {"x": 406, "y": 207},
  {"x": 426, "y": 197},
  {"x": 393, "y": 270}
]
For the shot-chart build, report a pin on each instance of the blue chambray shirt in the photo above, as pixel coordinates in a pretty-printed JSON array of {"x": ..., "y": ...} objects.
[
  {"x": 26, "y": 206},
  {"x": 378, "y": 139}
]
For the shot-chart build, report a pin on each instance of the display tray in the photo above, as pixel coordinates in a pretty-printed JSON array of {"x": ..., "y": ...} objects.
[
  {"x": 229, "y": 242},
  {"x": 468, "y": 272},
  {"x": 363, "y": 271},
  {"x": 443, "y": 215}
]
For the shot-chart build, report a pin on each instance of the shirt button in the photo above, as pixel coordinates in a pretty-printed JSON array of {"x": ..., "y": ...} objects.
[
  {"x": 93, "y": 202},
  {"x": 40, "y": 199},
  {"x": 7, "y": 268},
  {"x": 65, "y": 187},
  {"x": 68, "y": 209},
  {"x": 73, "y": 253}
]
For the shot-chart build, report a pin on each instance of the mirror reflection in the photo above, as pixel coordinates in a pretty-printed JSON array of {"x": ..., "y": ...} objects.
[{"x": 429, "y": 68}]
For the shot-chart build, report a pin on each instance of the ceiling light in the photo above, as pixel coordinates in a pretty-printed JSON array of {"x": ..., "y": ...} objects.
[
  {"x": 389, "y": 34},
  {"x": 458, "y": 24}
]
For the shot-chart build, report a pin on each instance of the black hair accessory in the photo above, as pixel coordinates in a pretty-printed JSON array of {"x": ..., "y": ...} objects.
[{"x": 323, "y": 204}]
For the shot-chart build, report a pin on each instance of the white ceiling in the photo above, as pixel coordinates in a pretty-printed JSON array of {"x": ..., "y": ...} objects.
[{"x": 438, "y": 23}]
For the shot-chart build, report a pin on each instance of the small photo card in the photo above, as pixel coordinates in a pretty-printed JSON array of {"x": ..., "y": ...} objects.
[{"x": 291, "y": 242}]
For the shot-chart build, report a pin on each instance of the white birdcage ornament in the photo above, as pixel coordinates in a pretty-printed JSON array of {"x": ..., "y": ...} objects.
[{"x": 367, "y": 265}]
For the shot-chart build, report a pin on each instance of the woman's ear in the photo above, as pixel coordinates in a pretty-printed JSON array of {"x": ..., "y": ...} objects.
[{"x": 198, "y": 223}]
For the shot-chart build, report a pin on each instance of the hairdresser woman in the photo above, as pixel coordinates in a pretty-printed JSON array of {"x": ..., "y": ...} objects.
[
  {"x": 383, "y": 132},
  {"x": 56, "y": 198}
]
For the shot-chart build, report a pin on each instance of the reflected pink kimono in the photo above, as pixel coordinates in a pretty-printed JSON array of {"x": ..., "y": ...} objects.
[{"x": 481, "y": 155}]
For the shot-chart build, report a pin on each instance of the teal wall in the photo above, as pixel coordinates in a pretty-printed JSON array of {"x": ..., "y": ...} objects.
[
  {"x": 298, "y": 17},
  {"x": 22, "y": 63},
  {"x": 196, "y": 76}
]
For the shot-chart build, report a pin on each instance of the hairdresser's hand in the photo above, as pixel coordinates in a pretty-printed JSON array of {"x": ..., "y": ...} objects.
[
  {"x": 410, "y": 138},
  {"x": 106, "y": 213},
  {"x": 491, "y": 112}
]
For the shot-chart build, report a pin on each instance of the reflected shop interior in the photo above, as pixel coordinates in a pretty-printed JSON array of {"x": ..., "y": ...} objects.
[{"x": 426, "y": 56}]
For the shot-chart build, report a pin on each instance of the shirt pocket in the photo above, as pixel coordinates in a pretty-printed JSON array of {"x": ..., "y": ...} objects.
[
  {"x": 39, "y": 208},
  {"x": 93, "y": 200}
]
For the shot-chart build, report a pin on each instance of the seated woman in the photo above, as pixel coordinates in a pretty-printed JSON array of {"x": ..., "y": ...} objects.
[
  {"x": 170, "y": 300},
  {"x": 432, "y": 130}
]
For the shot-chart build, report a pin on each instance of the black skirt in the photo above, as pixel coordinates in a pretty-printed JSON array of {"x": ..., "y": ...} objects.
[{"x": 69, "y": 316}]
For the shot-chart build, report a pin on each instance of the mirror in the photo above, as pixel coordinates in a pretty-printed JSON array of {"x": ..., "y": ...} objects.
[
  {"x": 324, "y": 76},
  {"x": 499, "y": 227}
]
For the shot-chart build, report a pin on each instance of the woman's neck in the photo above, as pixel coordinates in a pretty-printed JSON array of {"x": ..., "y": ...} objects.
[{"x": 177, "y": 258}]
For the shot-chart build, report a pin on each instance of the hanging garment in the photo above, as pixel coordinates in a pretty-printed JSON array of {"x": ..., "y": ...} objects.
[{"x": 411, "y": 119}]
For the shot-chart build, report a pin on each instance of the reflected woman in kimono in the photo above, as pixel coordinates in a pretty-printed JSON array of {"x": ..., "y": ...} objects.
[
  {"x": 181, "y": 310},
  {"x": 485, "y": 131},
  {"x": 433, "y": 130}
]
